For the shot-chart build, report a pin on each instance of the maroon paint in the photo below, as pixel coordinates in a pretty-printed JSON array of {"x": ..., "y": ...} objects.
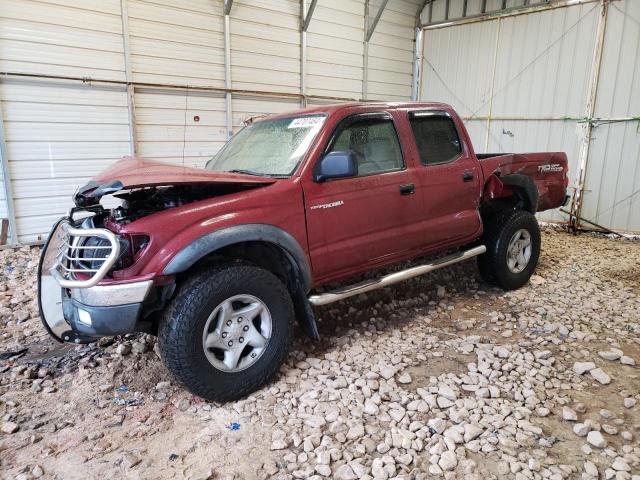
[{"x": 375, "y": 226}]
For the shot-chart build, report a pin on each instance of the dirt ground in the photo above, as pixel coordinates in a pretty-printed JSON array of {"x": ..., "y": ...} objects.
[{"x": 441, "y": 376}]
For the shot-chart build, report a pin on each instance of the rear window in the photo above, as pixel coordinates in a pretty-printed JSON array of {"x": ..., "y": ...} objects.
[{"x": 436, "y": 137}]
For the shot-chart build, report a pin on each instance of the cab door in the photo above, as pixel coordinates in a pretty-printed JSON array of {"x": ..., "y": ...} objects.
[
  {"x": 448, "y": 177},
  {"x": 356, "y": 223}
]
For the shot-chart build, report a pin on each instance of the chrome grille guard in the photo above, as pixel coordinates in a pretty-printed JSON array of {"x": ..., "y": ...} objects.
[{"x": 68, "y": 260}]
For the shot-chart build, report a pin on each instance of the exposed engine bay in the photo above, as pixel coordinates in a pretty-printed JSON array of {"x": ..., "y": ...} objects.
[{"x": 140, "y": 202}]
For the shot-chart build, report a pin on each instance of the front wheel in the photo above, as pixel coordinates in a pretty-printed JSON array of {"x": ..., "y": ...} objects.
[
  {"x": 227, "y": 331},
  {"x": 513, "y": 248}
]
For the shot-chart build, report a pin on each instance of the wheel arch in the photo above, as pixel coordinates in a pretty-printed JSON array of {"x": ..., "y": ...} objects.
[
  {"x": 266, "y": 246},
  {"x": 513, "y": 190}
]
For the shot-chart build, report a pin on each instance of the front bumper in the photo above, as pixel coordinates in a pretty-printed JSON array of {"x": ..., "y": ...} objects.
[{"x": 82, "y": 315}]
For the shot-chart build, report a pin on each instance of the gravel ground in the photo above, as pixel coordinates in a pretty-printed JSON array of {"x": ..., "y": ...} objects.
[{"x": 441, "y": 376}]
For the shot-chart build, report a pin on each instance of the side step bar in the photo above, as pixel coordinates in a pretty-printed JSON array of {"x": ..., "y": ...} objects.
[{"x": 392, "y": 278}]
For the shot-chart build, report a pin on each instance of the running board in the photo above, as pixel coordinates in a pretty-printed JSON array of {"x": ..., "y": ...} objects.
[{"x": 393, "y": 278}]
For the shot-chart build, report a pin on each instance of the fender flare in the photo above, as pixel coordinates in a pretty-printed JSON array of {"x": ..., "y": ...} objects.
[
  {"x": 250, "y": 232},
  {"x": 527, "y": 186}
]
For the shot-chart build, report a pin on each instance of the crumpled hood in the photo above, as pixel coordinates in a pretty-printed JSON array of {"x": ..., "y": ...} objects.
[{"x": 134, "y": 172}]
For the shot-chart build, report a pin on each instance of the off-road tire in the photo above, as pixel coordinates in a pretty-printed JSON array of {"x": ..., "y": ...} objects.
[
  {"x": 183, "y": 323},
  {"x": 498, "y": 232}
]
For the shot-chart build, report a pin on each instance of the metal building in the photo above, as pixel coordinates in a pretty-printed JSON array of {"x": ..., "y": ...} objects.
[
  {"x": 558, "y": 75},
  {"x": 84, "y": 82}
]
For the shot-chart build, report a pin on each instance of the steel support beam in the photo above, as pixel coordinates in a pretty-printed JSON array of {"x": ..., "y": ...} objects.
[
  {"x": 227, "y": 6},
  {"x": 227, "y": 72},
  {"x": 304, "y": 16},
  {"x": 365, "y": 52},
  {"x": 372, "y": 27},
  {"x": 417, "y": 64},
  {"x": 539, "y": 6},
  {"x": 307, "y": 15},
  {"x": 6, "y": 182},
  {"x": 493, "y": 83},
  {"x": 587, "y": 127},
  {"x": 131, "y": 107}
]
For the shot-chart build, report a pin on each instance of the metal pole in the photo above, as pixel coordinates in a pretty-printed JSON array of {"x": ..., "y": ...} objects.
[
  {"x": 417, "y": 66},
  {"x": 6, "y": 182},
  {"x": 303, "y": 53},
  {"x": 587, "y": 127},
  {"x": 133, "y": 139},
  {"x": 365, "y": 52},
  {"x": 492, "y": 86},
  {"x": 227, "y": 75}
]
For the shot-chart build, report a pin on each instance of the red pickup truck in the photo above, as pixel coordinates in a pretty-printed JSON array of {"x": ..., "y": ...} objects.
[{"x": 219, "y": 262}]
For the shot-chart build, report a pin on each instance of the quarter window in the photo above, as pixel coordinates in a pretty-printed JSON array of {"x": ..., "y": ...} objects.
[
  {"x": 374, "y": 142},
  {"x": 436, "y": 138}
]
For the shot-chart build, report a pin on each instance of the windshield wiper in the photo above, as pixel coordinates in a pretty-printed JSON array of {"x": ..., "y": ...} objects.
[{"x": 248, "y": 172}]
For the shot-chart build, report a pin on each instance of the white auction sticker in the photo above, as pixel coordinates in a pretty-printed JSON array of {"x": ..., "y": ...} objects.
[{"x": 305, "y": 122}]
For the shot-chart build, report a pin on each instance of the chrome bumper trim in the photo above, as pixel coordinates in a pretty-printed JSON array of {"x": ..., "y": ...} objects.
[
  {"x": 110, "y": 295},
  {"x": 56, "y": 259}
]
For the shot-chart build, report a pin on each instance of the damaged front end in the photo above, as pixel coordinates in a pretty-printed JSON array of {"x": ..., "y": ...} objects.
[
  {"x": 75, "y": 259},
  {"x": 89, "y": 280}
]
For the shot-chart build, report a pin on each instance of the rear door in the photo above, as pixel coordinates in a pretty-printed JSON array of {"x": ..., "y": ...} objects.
[
  {"x": 359, "y": 222},
  {"x": 448, "y": 177}
]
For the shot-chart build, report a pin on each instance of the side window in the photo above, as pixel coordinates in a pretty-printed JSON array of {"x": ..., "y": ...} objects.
[
  {"x": 436, "y": 138},
  {"x": 375, "y": 144}
]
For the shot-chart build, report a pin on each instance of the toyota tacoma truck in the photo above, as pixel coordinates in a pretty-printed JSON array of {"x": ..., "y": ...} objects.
[{"x": 219, "y": 262}]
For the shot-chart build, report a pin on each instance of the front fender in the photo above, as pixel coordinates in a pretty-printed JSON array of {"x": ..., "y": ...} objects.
[{"x": 224, "y": 237}]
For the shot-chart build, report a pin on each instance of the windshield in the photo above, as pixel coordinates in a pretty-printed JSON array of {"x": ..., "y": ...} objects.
[{"x": 268, "y": 147}]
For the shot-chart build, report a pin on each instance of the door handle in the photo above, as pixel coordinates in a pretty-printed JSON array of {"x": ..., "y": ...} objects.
[
  {"x": 467, "y": 176},
  {"x": 407, "y": 189}
]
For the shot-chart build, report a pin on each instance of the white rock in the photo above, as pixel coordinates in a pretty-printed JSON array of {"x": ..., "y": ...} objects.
[
  {"x": 590, "y": 468},
  {"x": 583, "y": 367},
  {"x": 387, "y": 372},
  {"x": 448, "y": 393},
  {"x": 569, "y": 414},
  {"x": 581, "y": 429},
  {"x": 345, "y": 472},
  {"x": 629, "y": 402},
  {"x": 620, "y": 465},
  {"x": 613, "y": 354},
  {"x": 448, "y": 461},
  {"x": 370, "y": 407},
  {"x": 600, "y": 376},
  {"x": 471, "y": 432},
  {"x": 627, "y": 361},
  {"x": 404, "y": 378},
  {"x": 596, "y": 439}
]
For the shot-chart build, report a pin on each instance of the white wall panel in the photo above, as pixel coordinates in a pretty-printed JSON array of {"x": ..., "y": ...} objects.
[
  {"x": 180, "y": 127},
  {"x": 613, "y": 169},
  {"x": 335, "y": 49},
  {"x": 265, "y": 45},
  {"x": 457, "y": 67},
  {"x": 57, "y": 137},
  {"x": 544, "y": 62},
  {"x": 543, "y": 66},
  {"x": 43, "y": 37},
  {"x": 176, "y": 42},
  {"x": 391, "y": 51}
]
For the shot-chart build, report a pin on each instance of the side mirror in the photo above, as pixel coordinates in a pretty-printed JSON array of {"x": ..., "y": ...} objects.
[{"x": 336, "y": 165}]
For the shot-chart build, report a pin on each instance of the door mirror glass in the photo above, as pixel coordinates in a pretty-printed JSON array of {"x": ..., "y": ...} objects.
[{"x": 339, "y": 164}]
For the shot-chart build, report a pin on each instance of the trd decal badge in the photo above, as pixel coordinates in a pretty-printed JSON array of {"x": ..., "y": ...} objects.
[
  {"x": 337, "y": 203},
  {"x": 550, "y": 167}
]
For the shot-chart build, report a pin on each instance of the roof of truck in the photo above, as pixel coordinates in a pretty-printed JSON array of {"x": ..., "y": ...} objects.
[{"x": 335, "y": 107}]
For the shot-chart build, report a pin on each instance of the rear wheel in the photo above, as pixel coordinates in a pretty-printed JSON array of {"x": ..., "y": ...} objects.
[
  {"x": 513, "y": 248},
  {"x": 227, "y": 331}
]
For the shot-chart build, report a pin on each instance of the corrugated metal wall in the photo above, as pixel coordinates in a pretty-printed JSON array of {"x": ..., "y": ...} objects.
[
  {"x": 522, "y": 82},
  {"x": 60, "y": 133}
]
